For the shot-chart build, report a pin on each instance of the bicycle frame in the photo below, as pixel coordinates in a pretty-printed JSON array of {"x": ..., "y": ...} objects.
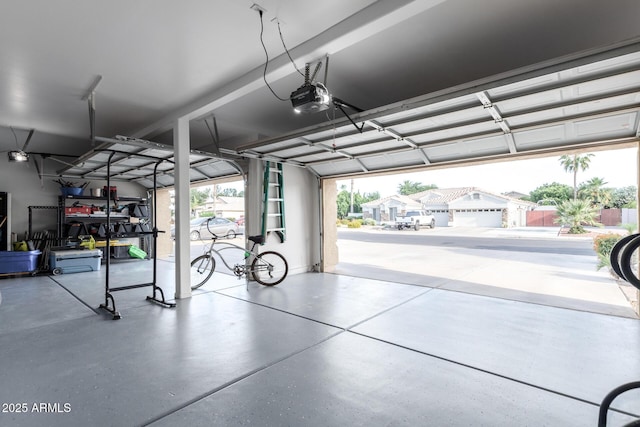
[
  {"x": 249, "y": 254},
  {"x": 267, "y": 268}
]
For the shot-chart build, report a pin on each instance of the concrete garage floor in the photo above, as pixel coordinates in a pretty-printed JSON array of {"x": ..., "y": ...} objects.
[{"x": 318, "y": 349}]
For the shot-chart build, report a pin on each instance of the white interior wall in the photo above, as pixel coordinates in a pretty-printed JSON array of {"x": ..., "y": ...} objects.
[
  {"x": 302, "y": 215},
  {"x": 22, "y": 181}
]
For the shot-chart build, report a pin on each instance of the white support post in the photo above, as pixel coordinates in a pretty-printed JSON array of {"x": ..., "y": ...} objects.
[
  {"x": 253, "y": 198},
  {"x": 182, "y": 147}
]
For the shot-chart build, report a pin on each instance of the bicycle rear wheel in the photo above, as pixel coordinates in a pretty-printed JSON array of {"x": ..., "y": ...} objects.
[
  {"x": 269, "y": 268},
  {"x": 616, "y": 252},
  {"x": 629, "y": 262},
  {"x": 201, "y": 270}
]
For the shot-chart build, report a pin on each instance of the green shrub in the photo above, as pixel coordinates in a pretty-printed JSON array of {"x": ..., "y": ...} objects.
[
  {"x": 369, "y": 221},
  {"x": 355, "y": 224},
  {"x": 344, "y": 221},
  {"x": 604, "y": 243}
]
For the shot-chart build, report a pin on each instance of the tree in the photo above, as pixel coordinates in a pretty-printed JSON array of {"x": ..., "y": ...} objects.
[
  {"x": 575, "y": 214},
  {"x": 594, "y": 191},
  {"x": 228, "y": 192},
  {"x": 410, "y": 187},
  {"x": 369, "y": 197},
  {"x": 553, "y": 193},
  {"x": 198, "y": 196},
  {"x": 624, "y": 197},
  {"x": 343, "y": 200},
  {"x": 573, "y": 163}
]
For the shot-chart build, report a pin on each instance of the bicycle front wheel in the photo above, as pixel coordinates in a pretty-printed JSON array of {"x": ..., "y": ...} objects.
[
  {"x": 201, "y": 270},
  {"x": 269, "y": 268}
]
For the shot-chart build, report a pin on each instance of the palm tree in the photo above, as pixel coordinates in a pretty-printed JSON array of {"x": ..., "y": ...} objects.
[
  {"x": 594, "y": 190},
  {"x": 571, "y": 163},
  {"x": 575, "y": 214}
]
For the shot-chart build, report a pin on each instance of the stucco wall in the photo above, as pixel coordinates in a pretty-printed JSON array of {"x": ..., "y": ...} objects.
[{"x": 302, "y": 215}]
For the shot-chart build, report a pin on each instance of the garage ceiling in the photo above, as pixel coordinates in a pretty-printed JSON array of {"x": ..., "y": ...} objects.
[{"x": 162, "y": 60}]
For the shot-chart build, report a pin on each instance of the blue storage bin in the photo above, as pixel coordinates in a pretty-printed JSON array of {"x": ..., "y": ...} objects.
[
  {"x": 71, "y": 191},
  {"x": 18, "y": 261}
]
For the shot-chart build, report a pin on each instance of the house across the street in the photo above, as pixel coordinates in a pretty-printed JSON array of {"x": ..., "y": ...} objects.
[
  {"x": 454, "y": 207},
  {"x": 222, "y": 206},
  {"x": 388, "y": 208}
]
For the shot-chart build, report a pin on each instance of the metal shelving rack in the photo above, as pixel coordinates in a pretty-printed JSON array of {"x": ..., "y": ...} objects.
[{"x": 63, "y": 218}]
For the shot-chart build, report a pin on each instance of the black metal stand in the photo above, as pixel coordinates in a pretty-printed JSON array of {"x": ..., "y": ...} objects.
[
  {"x": 32, "y": 208},
  {"x": 109, "y": 302}
]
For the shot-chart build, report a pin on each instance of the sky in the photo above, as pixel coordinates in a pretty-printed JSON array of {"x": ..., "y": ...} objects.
[{"x": 618, "y": 168}]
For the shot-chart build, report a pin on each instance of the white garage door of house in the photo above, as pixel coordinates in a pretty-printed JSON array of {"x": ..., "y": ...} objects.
[
  {"x": 442, "y": 218},
  {"x": 478, "y": 219}
]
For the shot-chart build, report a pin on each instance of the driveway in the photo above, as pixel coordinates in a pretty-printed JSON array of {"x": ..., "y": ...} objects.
[{"x": 528, "y": 264}]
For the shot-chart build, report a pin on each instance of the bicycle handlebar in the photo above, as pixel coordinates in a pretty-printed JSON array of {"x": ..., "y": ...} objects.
[{"x": 215, "y": 236}]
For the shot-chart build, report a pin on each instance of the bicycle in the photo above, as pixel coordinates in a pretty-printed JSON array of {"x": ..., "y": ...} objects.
[{"x": 268, "y": 268}]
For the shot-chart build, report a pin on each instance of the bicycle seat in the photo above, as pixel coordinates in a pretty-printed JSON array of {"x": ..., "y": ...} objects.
[{"x": 259, "y": 239}]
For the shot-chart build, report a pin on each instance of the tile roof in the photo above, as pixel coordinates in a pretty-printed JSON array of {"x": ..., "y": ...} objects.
[
  {"x": 439, "y": 196},
  {"x": 400, "y": 198},
  {"x": 447, "y": 195}
]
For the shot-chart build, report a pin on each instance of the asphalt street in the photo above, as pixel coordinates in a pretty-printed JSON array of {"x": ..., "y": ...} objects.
[{"x": 435, "y": 238}]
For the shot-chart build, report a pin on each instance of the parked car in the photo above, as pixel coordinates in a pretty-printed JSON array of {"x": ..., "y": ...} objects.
[
  {"x": 415, "y": 220},
  {"x": 221, "y": 227}
]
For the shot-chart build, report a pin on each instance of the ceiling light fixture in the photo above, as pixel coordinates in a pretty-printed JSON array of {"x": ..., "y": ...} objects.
[{"x": 18, "y": 156}]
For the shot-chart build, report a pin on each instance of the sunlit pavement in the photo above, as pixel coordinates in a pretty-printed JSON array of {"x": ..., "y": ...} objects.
[{"x": 568, "y": 281}]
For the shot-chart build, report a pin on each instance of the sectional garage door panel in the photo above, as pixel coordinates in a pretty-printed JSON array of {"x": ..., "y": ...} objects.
[
  {"x": 588, "y": 101},
  {"x": 137, "y": 161}
]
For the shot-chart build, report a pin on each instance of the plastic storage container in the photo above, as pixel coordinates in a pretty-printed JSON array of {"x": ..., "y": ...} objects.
[
  {"x": 75, "y": 261},
  {"x": 71, "y": 191},
  {"x": 18, "y": 261},
  {"x": 136, "y": 252}
]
